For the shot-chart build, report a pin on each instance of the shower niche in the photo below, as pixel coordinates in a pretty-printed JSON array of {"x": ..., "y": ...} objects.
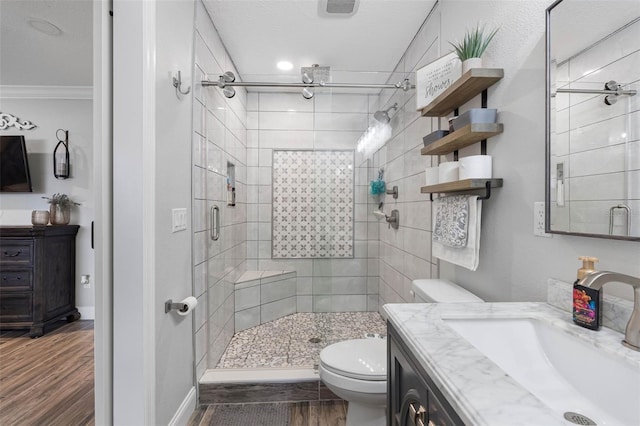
[{"x": 231, "y": 185}]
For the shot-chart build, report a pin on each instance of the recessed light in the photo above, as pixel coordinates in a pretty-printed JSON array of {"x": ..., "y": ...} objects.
[
  {"x": 44, "y": 26},
  {"x": 284, "y": 65}
]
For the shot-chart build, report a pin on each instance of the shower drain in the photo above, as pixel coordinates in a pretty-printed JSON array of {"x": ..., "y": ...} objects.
[
  {"x": 315, "y": 340},
  {"x": 578, "y": 419}
]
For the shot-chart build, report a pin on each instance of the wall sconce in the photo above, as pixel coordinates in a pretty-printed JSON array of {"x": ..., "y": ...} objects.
[{"x": 61, "y": 155}]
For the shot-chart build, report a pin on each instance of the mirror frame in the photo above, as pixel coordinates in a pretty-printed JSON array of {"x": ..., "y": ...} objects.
[{"x": 547, "y": 151}]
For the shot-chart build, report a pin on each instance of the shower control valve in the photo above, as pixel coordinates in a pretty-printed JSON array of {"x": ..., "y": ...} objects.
[{"x": 394, "y": 219}]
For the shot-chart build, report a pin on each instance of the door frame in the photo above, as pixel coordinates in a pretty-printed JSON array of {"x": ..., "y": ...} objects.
[{"x": 102, "y": 225}]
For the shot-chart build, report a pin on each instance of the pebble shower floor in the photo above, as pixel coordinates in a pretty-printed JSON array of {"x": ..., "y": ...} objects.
[{"x": 289, "y": 341}]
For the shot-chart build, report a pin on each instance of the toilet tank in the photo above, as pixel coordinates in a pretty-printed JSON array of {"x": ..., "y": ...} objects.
[{"x": 441, "y": 291}]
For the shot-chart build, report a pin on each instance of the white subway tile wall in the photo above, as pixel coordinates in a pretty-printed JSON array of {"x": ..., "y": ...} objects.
[
  {"x": 598, "y": 143},
  {"x": 219, "y": 137},
  {"x": 327, "y": 122},
  {"x": 405, "y": 253}
]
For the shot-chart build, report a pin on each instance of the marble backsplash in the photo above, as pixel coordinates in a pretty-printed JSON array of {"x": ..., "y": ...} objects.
[{"x": 616, "y": 311}]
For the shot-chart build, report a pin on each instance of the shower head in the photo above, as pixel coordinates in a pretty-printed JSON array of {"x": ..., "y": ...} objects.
[{"x": 383, "y": 116}]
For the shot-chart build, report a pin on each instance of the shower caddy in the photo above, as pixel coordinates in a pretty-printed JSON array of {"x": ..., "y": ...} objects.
[{"x": 473, "y": 82}]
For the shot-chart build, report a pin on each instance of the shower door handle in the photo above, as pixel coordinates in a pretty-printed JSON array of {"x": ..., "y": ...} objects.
[{"x": 215, "y": 223}]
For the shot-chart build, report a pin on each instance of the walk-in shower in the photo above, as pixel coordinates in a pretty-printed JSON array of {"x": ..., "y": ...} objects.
[{"x": 295, "y": 267}]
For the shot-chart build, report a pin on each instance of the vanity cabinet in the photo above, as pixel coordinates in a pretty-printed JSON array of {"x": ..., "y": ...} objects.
[
  {"x": 37, "y": 276},
  {"x": 412, "y": 397}
]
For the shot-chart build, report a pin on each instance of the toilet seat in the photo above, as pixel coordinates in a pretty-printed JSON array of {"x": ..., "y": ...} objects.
[{"x": 361, "y": 359}]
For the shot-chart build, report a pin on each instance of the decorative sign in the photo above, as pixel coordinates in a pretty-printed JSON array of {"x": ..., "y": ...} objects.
[
  {"x": 8, "y": 120},
  {"x": 435, "y": 78}
]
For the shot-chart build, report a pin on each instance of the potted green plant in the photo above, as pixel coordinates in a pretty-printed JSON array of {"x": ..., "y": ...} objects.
[
  {"x": 60, "y": 209},
  {"x": 472, "y": 46}
]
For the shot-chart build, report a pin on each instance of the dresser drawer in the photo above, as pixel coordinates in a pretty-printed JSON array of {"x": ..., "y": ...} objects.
[
  {"x": 16, "y": 280},
  {"x": 15, "y": 307},
  {"x": 16, "y": 252}
]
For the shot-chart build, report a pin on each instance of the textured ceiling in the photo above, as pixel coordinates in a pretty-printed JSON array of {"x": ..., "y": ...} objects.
[
  {"x": 259, "y": 33},
  {"x": 30, "y": 57}
]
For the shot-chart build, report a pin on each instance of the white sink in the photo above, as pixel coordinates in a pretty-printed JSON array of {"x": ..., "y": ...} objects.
[{"x": 565, "y": 372}]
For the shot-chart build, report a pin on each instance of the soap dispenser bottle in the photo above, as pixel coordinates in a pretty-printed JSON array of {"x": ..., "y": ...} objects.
[{"x": 587, "y": 302}]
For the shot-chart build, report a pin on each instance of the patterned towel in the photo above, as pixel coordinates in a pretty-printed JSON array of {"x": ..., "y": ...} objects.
[{"x": 451, "y": 226}]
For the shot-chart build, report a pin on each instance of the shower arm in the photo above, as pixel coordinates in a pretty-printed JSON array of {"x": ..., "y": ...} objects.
[{"x": 221, "y": 83}]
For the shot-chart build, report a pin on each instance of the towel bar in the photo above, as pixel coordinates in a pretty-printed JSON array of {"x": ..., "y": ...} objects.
[{"x": 486, "y": 196}]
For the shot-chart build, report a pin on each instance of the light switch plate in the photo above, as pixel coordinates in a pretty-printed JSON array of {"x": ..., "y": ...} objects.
[{"x": 178, "y": 220}]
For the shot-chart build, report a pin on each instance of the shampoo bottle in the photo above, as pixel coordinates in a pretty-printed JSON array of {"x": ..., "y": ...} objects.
[{"x": 587, "y": 302}]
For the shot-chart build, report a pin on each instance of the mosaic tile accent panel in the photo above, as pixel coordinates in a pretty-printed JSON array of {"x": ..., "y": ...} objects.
[
  {"x": 313, "y": 200},
  {"x": 296, "y": 340}
]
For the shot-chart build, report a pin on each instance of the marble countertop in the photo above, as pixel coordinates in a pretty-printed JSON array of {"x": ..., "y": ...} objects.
[{"x": 479, "y": 391}]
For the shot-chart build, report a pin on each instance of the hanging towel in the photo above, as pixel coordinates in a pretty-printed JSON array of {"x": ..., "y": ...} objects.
[
  {"x": 452, "y": 217},
  {"x": 467, "y": 256}
]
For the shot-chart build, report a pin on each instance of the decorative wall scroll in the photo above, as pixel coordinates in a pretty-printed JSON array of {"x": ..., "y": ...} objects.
[{"x": 8, "y": 120}]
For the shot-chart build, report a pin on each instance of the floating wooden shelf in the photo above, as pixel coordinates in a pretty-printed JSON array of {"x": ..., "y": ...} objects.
[
  {"x": 468, "y": 135},
  {"x": 462, "y": 90},
  {"x": 461, "y": 185}
]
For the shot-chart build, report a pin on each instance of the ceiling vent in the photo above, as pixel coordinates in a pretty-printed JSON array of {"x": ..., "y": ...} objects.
[{"x": 337, "y": 8}]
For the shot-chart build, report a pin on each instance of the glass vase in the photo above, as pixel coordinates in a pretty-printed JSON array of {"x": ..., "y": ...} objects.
[{"x": 59, "y": 214}]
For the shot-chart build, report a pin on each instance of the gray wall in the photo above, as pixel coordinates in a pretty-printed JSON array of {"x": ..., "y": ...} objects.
[
  {"x": 174, "y": 335},
  {"x": 59, "y": 112},
  {"x": 515, "y": 264},
  {"x": 152, "y": 351}
]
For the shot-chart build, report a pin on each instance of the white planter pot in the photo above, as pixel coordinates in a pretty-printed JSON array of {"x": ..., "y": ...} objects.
[{"x": 467, "y": 64}]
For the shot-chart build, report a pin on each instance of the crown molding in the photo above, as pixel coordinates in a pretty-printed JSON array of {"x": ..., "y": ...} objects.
[{"x": 46, "y": 92}]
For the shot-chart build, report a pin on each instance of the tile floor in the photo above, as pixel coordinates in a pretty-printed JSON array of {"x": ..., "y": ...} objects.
[{"x": 285, "y": 342}]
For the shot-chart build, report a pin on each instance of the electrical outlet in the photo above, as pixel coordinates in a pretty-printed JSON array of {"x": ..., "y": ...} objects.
[
  {"x": 85, "y": 281},
  {"x": 538, "y": 220}
]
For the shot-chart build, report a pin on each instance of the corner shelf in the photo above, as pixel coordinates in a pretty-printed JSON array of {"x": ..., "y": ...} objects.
[
  {"x": 468, "y": 135},
  {"x": 470, "y": 84},
  {"x": 463, "y": 185}
]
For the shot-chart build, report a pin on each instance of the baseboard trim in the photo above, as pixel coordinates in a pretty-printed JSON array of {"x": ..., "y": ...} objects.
[
  {"x": 87, "y": 312},
  {"x": 188, "y": 406}
]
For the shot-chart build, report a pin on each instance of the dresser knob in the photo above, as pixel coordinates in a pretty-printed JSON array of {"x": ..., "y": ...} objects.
[{"x": 16, "y": 254}]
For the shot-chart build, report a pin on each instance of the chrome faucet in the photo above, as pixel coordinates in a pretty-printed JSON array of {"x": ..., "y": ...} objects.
[{"x": 597, "y": 279}]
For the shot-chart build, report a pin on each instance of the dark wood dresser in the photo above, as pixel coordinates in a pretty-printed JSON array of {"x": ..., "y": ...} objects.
[{"x": 37, "y": 276}]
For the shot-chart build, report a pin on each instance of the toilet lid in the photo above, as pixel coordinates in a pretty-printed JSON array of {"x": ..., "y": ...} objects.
[{"x": 364, "y": 359}]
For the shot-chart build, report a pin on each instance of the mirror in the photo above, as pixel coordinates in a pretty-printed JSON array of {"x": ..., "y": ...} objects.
[{"x": 593, "y": 118}]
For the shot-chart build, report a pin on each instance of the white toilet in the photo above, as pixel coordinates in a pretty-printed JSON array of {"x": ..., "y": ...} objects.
[
  {"x": 356, "y": 370},
  {"x": 441, "y": 291}
]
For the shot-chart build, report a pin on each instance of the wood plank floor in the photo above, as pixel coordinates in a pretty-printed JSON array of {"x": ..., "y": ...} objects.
[
  {"x": 314, "y": 413},
  {"x": 48, "y": 380}
]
